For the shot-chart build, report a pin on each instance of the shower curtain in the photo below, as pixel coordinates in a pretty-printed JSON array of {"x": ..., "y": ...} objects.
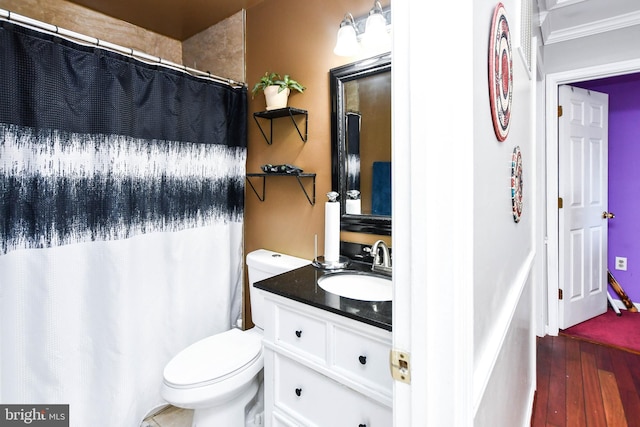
[
  {"x": 354, "y": 121},
  {"x": 121, "y": 209}
]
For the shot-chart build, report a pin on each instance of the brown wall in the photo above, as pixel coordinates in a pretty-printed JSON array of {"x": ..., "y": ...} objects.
[
  {"x": 94, "y": 24},
  {"x": 296, "y": 38}
]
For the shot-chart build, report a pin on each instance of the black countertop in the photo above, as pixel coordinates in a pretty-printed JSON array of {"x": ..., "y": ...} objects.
[{"x": 302, "y": 285}]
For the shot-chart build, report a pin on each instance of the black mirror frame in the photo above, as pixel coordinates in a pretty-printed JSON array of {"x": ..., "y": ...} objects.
[{"x": 369, "y": 224}]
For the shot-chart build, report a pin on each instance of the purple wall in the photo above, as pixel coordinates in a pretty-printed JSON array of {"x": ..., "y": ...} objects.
[{"x": 624, "y": 176}]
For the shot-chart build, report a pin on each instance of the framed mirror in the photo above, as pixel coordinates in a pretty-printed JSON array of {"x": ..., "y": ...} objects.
[{"x": 361, "y": 143}]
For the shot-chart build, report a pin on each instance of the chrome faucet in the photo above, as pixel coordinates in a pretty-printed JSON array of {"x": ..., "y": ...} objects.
[{"x": 378, "y": 265}]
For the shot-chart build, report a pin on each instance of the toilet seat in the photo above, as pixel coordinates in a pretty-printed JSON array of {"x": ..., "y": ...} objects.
[{"x": 213, "y": 359}]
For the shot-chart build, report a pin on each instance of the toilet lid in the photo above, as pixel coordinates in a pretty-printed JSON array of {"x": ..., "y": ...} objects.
[{"x": 213, "y": 357}]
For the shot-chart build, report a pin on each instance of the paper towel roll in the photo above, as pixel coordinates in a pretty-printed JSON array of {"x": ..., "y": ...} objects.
[
  {"x": 332, "y": 231},
  {"x": 353, "y": 207}
]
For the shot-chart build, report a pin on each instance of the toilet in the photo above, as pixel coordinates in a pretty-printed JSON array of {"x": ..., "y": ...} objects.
[{"x": 220, "y": 376}]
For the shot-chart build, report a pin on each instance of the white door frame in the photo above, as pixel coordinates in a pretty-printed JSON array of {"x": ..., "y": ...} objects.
[
  {"x": 554, "y": 80},
  {"x": 423, "y": 240}
]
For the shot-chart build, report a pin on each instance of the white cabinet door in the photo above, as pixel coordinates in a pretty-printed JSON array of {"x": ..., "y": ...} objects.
[
  {"x": 362, "y": 358},
  {"x": 316, "y": 400},
  {"x": 303, "y": 335}
]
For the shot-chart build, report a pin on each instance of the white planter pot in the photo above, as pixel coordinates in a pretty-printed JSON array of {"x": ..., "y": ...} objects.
[{"x": 274, "y": 99}]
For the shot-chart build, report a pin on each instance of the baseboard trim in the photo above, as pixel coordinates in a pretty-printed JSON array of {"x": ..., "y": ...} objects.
[{"x": 621, "y": 305}]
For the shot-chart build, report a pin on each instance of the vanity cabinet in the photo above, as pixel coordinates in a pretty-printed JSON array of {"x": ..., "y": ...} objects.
[{"x": 323, "y": 369}]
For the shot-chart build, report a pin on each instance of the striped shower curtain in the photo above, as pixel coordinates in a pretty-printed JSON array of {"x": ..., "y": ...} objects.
[{"x": 121, "y": 216}]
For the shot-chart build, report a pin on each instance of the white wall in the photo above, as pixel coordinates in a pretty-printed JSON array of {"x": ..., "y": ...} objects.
[
  {"x": 613, "y": 46},
  {"x": 506, "y": 400},
  {"x": 433, "y": 143},
  {"x": 504, "y": 251},
  {"x": 462, "y": 267}
]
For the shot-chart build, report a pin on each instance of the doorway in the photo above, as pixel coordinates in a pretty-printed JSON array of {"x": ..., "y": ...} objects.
[
  {"x": 583, "y": 129},
  {"x": 553, "y": 81}
]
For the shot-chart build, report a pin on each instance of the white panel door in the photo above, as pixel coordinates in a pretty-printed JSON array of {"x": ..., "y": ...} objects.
[{"x": 582, "y": 186}]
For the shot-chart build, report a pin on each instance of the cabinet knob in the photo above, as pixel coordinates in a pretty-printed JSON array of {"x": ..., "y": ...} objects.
[
  {"x": 362, "y": 425},
  {"x": 363, "y": 361},
  {"x": 298, "y": 334},
  {"x": 298, "y": 392}
]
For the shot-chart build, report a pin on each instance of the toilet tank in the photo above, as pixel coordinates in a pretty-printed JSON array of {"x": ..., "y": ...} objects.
[{"x": 262, "y": 264}]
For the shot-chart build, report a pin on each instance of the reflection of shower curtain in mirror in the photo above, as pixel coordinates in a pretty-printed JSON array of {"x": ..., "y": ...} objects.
[
  {"x": 121, "y": 209},
  {"x": 353, "y": 151}
]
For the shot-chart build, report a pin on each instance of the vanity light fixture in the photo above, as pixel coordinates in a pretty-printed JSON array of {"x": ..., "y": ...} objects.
[
  {"x": 347, "y": 42},
  {"x": 375, "y": 30},
  {"x": 372, "y": 30}
]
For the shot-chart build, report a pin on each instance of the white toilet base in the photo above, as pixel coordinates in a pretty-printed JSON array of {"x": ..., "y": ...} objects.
[{"x": 230, "y": 413}]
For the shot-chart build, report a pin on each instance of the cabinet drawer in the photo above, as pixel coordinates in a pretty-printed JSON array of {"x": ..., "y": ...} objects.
[
  {"x": 363, "y": 359},
  {"x": 301, "y": 334},
  {"x": 279, "y": 420},
  {"x": 315, "y": 400}
]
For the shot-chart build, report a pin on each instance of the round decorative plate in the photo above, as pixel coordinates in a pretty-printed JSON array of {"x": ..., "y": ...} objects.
[
  {"x": 516, "y": 184},
  {"x": 500, "y": 73}
]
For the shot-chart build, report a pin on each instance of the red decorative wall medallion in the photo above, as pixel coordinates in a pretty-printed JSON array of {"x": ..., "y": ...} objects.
[{"x": 500, "y": 73}]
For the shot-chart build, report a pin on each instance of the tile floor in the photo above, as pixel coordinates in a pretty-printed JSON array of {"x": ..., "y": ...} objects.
[{"x": 170, "y": 417}]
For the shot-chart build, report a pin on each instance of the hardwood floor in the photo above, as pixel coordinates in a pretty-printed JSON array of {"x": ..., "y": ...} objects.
[{"x": 581, "y": 384}]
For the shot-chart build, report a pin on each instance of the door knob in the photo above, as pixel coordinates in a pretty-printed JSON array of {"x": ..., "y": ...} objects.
[{"x": 608, "y": 215}]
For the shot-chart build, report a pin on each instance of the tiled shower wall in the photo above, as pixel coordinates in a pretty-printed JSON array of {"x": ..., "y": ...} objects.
[{"x": 218, "y": 49}]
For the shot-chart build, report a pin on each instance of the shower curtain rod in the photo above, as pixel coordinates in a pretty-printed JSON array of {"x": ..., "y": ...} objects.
[{"x": 87, "y": 40}]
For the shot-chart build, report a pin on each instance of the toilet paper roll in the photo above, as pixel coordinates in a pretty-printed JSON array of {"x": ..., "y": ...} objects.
[
  {"x": 332, "y": 231},
  {"x": 353, "y": 207}
]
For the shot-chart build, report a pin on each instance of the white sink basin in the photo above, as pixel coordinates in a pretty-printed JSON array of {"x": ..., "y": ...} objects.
[{"x": 359, "y": 286}]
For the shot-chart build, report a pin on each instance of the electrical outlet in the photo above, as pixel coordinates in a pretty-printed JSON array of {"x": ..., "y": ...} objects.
[{"x": 621, "y": 263}]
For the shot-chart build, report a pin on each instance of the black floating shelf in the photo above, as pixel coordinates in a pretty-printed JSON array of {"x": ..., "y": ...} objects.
[
  {"x": 282, "y": 112},
  {"x": 298, "y": 176}
]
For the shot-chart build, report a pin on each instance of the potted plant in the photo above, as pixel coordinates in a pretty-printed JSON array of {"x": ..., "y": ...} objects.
[{"x": 276, "y": 89}]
